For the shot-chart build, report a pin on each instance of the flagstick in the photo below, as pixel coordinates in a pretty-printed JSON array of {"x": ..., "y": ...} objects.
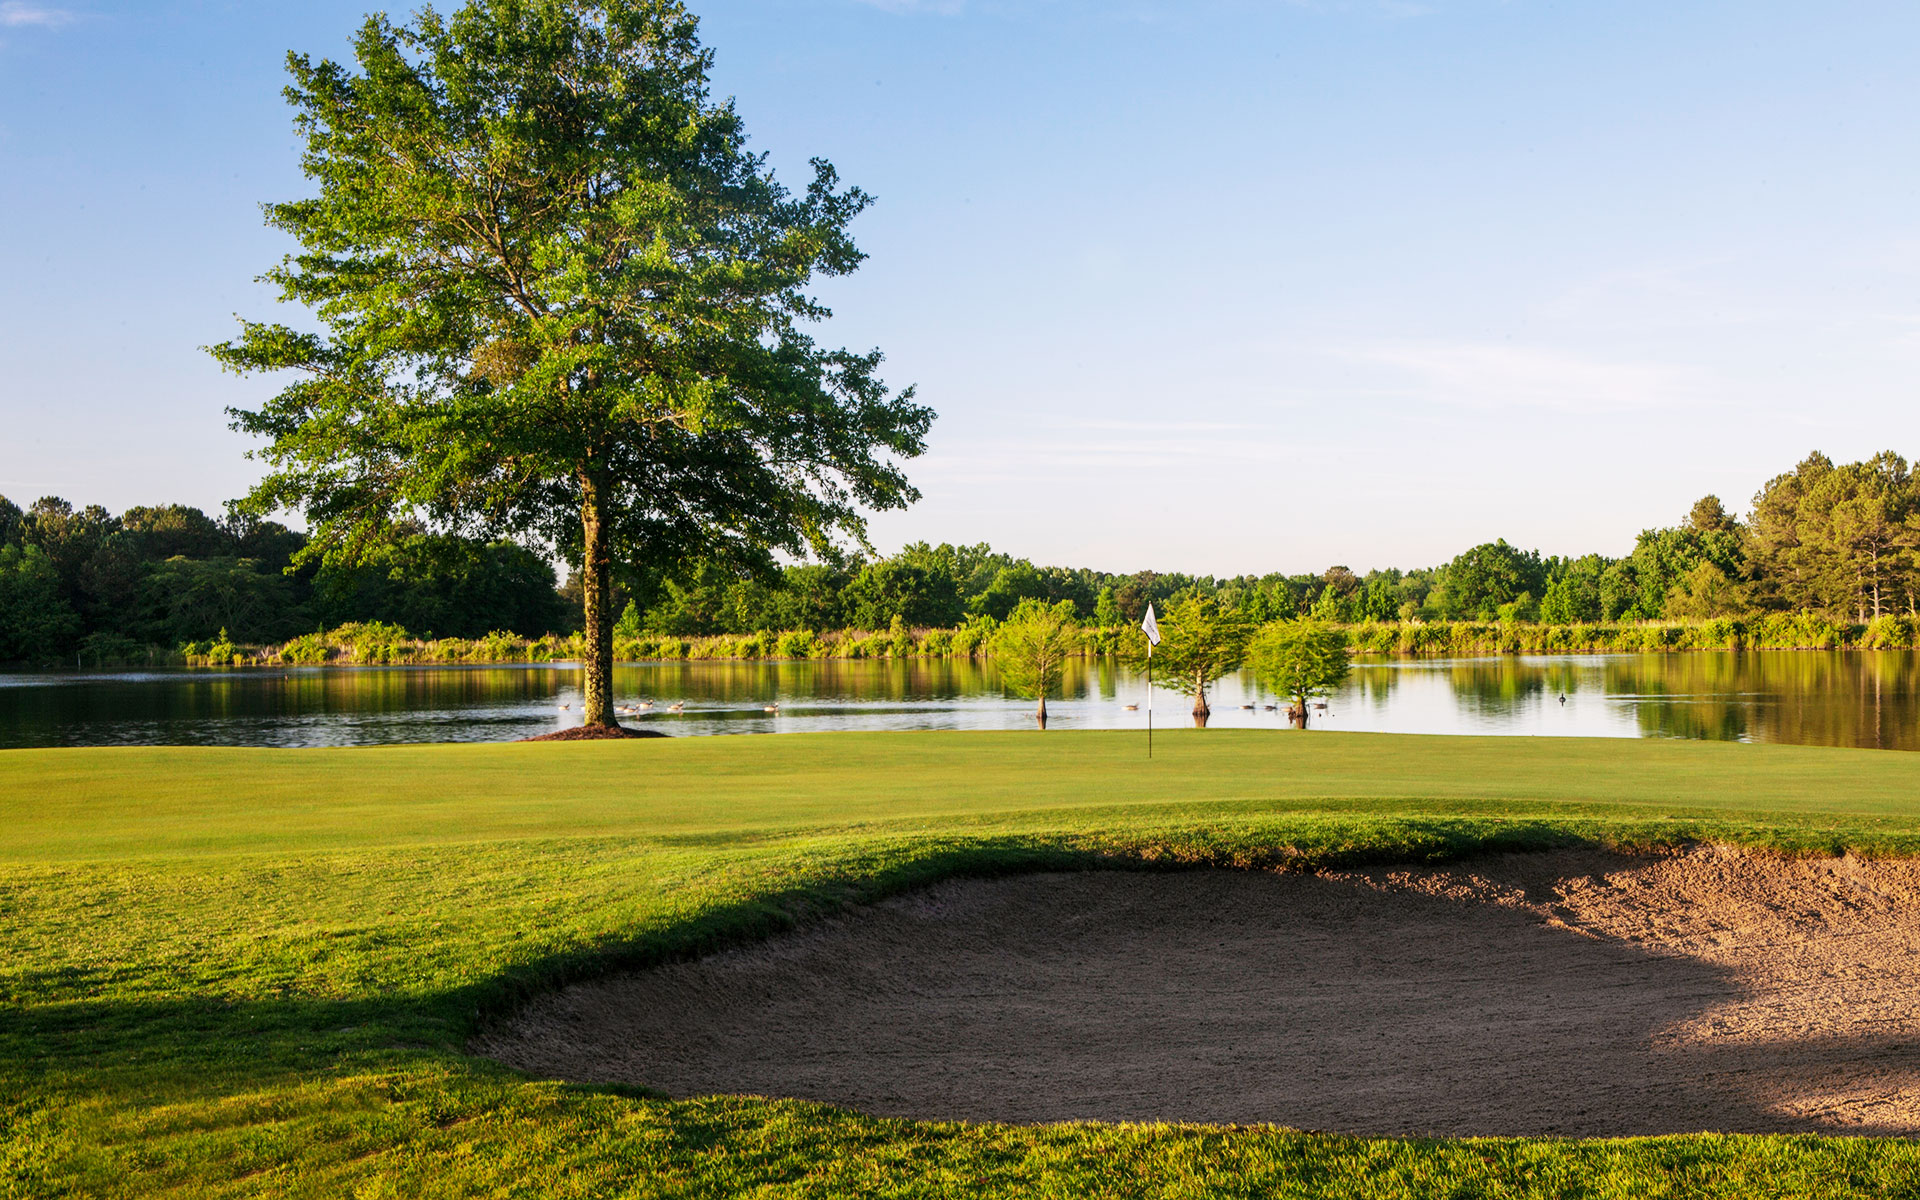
[
  {"x": 1149, "y": 699},
  {"x": 1151, "y": 628}
]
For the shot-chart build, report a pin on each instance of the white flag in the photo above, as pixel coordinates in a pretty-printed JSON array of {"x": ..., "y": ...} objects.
[{"x": 1151, "y": 626}]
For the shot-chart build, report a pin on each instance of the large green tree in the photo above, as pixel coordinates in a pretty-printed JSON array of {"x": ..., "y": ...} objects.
[
  {"x": 35, "y": 619},
  {"x": 98, "y": 562},
  {"x": 1480, "y": 580},
  {"x": 559, "y": 300},
  {"x": 1840, "y": 538},
  {"x": 189, "y": 598}
]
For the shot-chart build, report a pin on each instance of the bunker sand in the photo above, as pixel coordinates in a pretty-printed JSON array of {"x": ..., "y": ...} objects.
[{"x": 1576, "y": 994}]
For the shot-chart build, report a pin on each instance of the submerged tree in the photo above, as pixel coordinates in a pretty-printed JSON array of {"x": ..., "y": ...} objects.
[
  {"x": 1300, "y": 660},
  {"x": 1199, "y": 642},
  {"x": 1031, "y": 649},
  {"x": 560, "y": 301}
]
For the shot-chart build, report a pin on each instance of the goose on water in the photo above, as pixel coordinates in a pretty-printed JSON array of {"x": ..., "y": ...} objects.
[
  {"x": 1131, "y": 707},
  {"x": 772, "y": 708},
  {"x": 678, "y": 706}
]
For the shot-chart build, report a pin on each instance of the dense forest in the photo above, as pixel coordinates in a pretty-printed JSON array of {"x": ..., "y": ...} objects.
[
  {"x": 86, "y": 582},
  {"x": 1838, "y": 540}
]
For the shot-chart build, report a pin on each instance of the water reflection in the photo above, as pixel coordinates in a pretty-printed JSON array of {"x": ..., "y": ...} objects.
[
  {"x": 1862, "y": 699},
  {"x": 1821, "y": 698}
]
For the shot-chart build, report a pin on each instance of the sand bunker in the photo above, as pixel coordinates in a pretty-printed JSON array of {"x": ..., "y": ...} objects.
[{"x": 1574, "y": 994}]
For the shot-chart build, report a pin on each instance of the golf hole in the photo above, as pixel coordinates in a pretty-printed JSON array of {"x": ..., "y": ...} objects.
[{"x": 1577, "y": 994}]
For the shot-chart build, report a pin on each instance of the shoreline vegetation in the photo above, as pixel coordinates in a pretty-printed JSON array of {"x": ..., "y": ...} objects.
[
  {"x": 1829, "y": 558},
  {"x": 376, "y": 644}
]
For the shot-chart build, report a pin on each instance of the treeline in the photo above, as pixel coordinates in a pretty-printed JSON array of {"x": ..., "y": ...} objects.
[
  {"x": 108, "y": 588},
  {"x": 1840, "y": 543}
]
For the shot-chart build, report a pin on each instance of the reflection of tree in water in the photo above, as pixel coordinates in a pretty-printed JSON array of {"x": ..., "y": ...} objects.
[
  {"x": 733, "y": 682},
  {"x": 1371, "y": 684},
  {"x": 1497, "y": 687},
  {"x": 1702, "y": 699},
  {"x": 266, "y": 706},
  {"x": 1822, "y": 698},
  {"x": 1845, "y": 698},
  {"x": 1841, "y": 698},
  {"x": 1562, "y": 677}
]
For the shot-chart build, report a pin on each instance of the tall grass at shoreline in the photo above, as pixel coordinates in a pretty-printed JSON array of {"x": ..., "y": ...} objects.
[{"x": 375, "y": 644}]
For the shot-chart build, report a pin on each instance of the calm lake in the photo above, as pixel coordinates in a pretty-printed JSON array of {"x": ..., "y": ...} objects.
[{"x": 1815, "y": 698}]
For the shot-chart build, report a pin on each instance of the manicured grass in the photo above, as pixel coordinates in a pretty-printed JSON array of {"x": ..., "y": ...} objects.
[
  {"x": 252, "y": 972},
  {"x": 65, "y": 805}
]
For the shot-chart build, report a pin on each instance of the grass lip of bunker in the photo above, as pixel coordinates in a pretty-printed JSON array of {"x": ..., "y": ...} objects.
[{"x": 1569, "y": 993}]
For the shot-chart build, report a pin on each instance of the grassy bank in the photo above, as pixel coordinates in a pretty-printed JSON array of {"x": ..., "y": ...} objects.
[
  {"x": 375, "y": 644},
  {"x": 233, "y": 972}
]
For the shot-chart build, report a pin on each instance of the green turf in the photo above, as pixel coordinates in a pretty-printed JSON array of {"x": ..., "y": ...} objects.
[{"x": 252, "y": 972}]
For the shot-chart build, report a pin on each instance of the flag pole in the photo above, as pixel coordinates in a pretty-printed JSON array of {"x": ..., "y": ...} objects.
[
  {"x": 1149, "y": 699},
  {"x": 1151, "y": 628}
]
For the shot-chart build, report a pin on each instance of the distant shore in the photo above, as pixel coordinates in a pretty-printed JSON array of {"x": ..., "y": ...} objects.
[{"x": 382, "y": 645}]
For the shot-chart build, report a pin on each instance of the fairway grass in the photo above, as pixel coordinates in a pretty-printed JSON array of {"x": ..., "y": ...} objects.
[{"x": 253, "y": 972}]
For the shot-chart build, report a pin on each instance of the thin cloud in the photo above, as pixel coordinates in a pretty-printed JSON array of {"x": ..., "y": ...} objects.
[
  {"x": 1157, "y": 427},
  {"x": 17, "y": 15},
  {"x": 1478, "y": 375},
  {"x": 945, "y": 8}
]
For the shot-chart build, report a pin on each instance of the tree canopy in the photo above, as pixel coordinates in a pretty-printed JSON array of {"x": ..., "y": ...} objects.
[
  {"x": 1301, "y": 660},
  {"x": 1031, "y": 649},
  {"x": 1841, "y": 538},
  {"x": 1200, "y": 641},
  {"x": 560, "y": 301}
]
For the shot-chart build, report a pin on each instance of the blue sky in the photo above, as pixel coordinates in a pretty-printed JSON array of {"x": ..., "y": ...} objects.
[{"x": 1210, "y": 285}]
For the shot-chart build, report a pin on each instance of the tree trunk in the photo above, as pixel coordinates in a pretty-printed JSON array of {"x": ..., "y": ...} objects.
[
  {"x": 1297, "y": 712},
  {"x": 1041, "y": 714},
  {"x": 596, "y": 585},
  {"x": 1200, "y": 708}
]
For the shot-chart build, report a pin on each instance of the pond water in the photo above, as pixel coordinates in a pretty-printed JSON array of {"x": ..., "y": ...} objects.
[{"x": 1815, "y": 698}]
